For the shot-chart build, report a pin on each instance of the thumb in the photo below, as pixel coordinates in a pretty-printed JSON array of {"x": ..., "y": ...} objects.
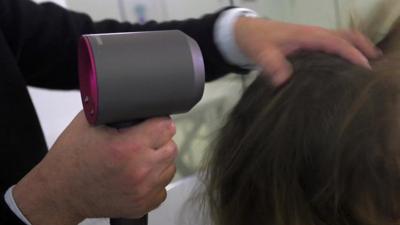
[{"x": 275, "y": 65}]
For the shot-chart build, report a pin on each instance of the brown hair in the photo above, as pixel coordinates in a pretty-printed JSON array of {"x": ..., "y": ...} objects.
[
  {"x": 391, "y": 43},
  {"x": 323, "y": 149}
]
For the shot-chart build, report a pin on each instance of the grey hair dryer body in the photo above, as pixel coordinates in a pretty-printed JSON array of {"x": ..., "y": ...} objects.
[{"x": 128, "y": 77}]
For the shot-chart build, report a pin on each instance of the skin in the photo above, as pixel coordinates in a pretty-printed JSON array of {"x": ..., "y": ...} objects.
[
  {"x": 269, "y": 42},
  {"x": 95, "y": 172},
  {"x": 104, "y": 172}
]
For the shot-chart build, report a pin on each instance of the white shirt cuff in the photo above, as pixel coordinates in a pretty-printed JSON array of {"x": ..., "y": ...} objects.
[
  {"x": 9, "y": 198},
  {"x": 224, "y": 37}
]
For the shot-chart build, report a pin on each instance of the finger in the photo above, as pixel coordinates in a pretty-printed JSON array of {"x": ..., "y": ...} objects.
[
  {"x": 167, "y": 175},
  {"x": 277, "y": 69},
  {"x": 362, "y": 43},
  {"x": 166, "y": 154},
  {"x": 164, "y": 164},
  {"x": 159, "y": 193},
  {"x": 152, "y": 133},
  {"x": 157, "y": 199},
  {"x": 150, "y": 202},
  {"x": 334, "y": 44}
]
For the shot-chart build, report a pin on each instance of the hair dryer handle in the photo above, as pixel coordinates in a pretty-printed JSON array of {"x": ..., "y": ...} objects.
[{"x": 141, "y": 221}]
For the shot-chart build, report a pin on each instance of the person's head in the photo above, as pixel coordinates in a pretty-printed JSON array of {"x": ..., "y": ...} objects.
[{"x": 324, "y": 149}]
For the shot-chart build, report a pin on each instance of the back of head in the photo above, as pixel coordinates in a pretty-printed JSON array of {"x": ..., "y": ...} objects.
[
  {"x": 391, "y": 43},
  {"x": 322, "y": 149}
]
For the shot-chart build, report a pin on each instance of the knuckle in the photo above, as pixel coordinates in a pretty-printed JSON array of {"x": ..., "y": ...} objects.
[
  {"x": 172, "y": 150},
  {"x": 352, "y": 36},
  {"x": 264, "y": 57},
  {"x": 345, "y": 32},
  {"x": 163, "y": 126},
  {"x": 154, "y": 129},
  {"x": 168, "y": 153},
  {"x": 314, "y": 30},
  {"x": 173, "y": 128},
  {"x": 356, "y": 33},
  {"x": 169, "y": 129}
]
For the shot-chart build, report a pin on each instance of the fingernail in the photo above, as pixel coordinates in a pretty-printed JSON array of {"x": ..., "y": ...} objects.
[
  {"x": 366, "y": 63},
  {"x": 279, "y": 79},
  {"x": 285, "y": 75},
  {"x": 379, "y": 52}
]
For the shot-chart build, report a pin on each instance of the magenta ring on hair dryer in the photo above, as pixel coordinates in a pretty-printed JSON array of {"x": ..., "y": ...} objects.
[{"x": 88, "y": 80}]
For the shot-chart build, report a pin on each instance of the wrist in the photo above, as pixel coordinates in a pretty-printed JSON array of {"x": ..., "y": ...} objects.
[
  {"x": 43, "y": 204},
  {"x": 226, "y": 38}
]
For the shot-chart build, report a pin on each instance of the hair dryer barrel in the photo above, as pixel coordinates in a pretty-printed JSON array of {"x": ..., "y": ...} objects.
[{"x": 129, "y": 76}]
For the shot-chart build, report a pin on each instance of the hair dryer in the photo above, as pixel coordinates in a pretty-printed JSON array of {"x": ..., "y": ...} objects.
[{"x": 126, "y": 77}]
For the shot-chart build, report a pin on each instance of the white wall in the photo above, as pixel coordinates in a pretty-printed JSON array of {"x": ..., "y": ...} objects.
[
  {"x": 60, "y": 2},
  {"x": 97, "y": 9},
  {"x": 178, "y": 9},
  {"x": 155, "y": 9}
]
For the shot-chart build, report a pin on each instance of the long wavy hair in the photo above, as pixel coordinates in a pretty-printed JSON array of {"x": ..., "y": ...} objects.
[{"x": 324, "y": 149}]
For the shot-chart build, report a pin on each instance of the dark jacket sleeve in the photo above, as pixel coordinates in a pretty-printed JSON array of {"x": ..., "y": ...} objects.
[{"x": 44, "y": 39}]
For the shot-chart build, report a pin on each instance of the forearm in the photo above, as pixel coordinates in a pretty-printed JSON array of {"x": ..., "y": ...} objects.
[{"x": 41, "y": 204}]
